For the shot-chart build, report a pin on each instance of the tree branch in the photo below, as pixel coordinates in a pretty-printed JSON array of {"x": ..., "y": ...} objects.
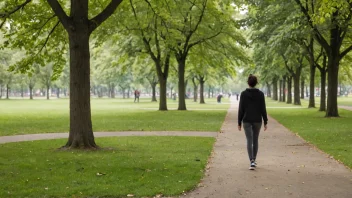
[
  {"x": 5, "y": 15},
  {"x": 204, "y": 39},
  {"x": 317, "y": 34},
  {"x": 59, "y": 12},
  {"x": 188, "y": 37},
  {"x": 47, "y": 38},
  {"x": 345, "y": 51},
  {"x": 106, "y": 13}
]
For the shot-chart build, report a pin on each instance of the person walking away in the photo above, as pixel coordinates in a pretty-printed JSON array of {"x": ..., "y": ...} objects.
[{"x": 251, "y": 113}]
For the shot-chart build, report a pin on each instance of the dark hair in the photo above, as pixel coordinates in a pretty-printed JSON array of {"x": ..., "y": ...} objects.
[{"x": 252, "y": 80}]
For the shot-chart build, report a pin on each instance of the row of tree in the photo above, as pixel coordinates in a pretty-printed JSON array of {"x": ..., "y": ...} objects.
[
  {"x": 296, "y": 37},
  {"x": 162, "y": 31}
]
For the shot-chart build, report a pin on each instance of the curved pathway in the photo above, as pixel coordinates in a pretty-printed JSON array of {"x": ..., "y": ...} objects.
[
  {"x": 287, "y": 167},
  {"x": 47, "y": 136}
]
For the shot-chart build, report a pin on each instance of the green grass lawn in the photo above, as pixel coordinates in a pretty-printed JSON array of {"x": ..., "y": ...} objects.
[
  {"x": 142, "y": 166},
  {"x": 45, "y": 116},
  {"x": 332, "y": 135}
]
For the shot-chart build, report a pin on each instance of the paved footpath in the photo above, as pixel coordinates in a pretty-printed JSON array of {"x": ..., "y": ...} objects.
[
  {"x": 287, "y": 167},
  {"x": 47, "y": 136}
]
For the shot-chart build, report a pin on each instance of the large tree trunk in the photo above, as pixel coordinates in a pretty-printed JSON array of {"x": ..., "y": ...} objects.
[
  {"x": 195, "y": 90},
  {"x": 0, "y": 91},
  {"x": 269, "y": 89},
  {"x": 322, "y": 91},
  {"x": 333, "y": 73},
  {"x": 201, "y": 83},
  {"x": 284, "y": 88},
  {"x": 7, "y": 91},
  {"x": 58, "y": 92},
  {"x": 47, "y": 92},
  {"x": 81, "y": 132},
  {"x": 153, "y": 84},
  {"x": 275, "y": 89},
  {"x": 22, "y": 91},
  {"x": 162, "y": 97},
  {"x": 312, "y": 85},
  {"x": 113, "y": 90},
  {"x": 302, "y": 87},
  {"x": 289, "y": 90},
  {"x": 280, "y": 90},
  {"x": 296, "y": 90},
  {"x": 323, "y": 85},
  {"x": 181, "y": 84},
  {"x": 31, "y": 92}
]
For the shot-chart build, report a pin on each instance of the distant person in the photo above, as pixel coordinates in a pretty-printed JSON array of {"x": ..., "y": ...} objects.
[
  {"x": 136, "y": 95},
  {"x": 252, "y": 112},
  {"x": 237, "y": 96},
  {"x": 218, "y": 98}
]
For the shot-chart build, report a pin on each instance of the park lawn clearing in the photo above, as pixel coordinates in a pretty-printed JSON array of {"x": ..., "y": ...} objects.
[
  {"x": 332, "y": 135},
  {"x": 139, "y": 166},
  {"x": 46, "y": 116}
]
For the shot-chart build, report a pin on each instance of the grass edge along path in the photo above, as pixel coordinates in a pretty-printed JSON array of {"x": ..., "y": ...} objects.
[
  {"x": 139, "y": 166},
  {"x": 331, "y": 135}
]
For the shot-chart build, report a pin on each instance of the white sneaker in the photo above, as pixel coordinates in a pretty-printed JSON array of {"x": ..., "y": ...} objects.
[{"x": 252, "y": 166}]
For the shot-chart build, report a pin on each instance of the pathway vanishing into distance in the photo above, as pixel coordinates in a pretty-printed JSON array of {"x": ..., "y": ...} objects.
[{"x": 287, "y": 167}]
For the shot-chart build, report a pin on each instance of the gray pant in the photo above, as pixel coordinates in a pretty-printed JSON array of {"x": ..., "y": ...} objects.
[{"x": 252, "y": 133}]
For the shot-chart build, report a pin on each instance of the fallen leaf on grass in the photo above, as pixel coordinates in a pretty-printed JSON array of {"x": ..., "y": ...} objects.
[
  {"x": 100, "y": 174},
  {"x": 130, "y": 195}
]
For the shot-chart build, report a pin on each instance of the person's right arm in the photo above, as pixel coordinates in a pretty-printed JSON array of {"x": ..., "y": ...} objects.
[
  {"x": 264, "y": 114},
  {"x": 240, "y": 111}
]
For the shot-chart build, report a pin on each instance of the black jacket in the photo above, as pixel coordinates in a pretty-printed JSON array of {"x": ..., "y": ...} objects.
[{"x": 252, "y": 107}]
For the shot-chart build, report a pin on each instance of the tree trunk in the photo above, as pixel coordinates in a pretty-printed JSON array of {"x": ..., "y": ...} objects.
[
  {"x": 312, "y": 85},
  {"x": 209, "y": 92},
  {"x": 81, "y": 131},
  {"x": 22, "y": 91},
  {"x": 153, "y": 84},
  {"x": 0, "y": 91},
  {"x": 123, "y": 93},
  {"x": 181, "y": 84},
  {"x": 58, "y": 92},
  {"x": 289, "y": 90},
  {"x": 302, "y": 87},
  {"x": 7, "y": 91},
  {"x": 113, "y": 90},
  {"x": 31, "y": 92},
  {"x": 323, "y": 73},
  {"x": 280, "y": 90},
  {"x": 47, "y": 92},
  {"x": 128, "y": 92},
  {"x": 284, "y": 79},
  {"x": 195, "y": 90},
  {"x": 296, "y": 90},
  {"x": 162, "y": 97},
  {"x": 275, "y": 89},
  {"x": 322, "y": 91},
  {"x": 201, "y": 92},
  {"x": 269, "y": 89}
]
